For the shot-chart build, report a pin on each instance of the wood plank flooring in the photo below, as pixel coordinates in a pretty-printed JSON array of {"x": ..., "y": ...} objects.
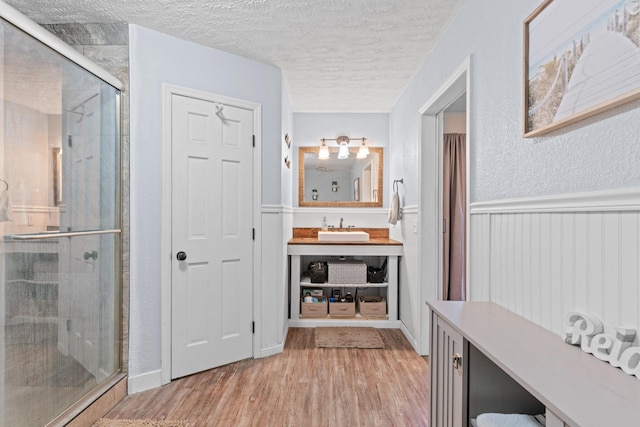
[{"x": 303, "y": 386}]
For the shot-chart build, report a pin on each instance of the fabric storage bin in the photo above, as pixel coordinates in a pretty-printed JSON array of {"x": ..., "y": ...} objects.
[
  {"x": 318, "y": 272},
  {"x": 342, "y": 309},
  {"x": 372, "y": 306},
  {"x": 314, "y": 309},
  {"x": 377, "y": 274},
  {"x": 347, "y": 272}
]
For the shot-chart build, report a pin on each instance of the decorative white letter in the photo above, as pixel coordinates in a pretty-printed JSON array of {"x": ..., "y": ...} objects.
[
  {"x": 624, "y": 339},
  {"x": 581, "y": 328},
  {"x": 601, "y": 346},
  {"x": 630, "y": 361}
]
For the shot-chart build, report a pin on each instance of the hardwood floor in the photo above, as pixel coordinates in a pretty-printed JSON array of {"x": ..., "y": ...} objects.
[{"x": 303, "y": 386}]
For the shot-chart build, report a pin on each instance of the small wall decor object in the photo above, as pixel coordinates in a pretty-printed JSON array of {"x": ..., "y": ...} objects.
[
  {"x": 334, "y": 186},
  {"x": 287, "y": 162},
  {"x": 587, "y": 331},
  {"x": 577, "y": 65},
  {"x": 287, "y": 140}
]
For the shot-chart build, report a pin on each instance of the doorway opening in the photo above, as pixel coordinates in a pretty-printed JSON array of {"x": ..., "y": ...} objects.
[{"x": 448, "y": 106}]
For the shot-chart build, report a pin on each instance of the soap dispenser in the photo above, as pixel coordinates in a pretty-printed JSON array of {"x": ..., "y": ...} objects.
[{"x": 324, "y": 224}]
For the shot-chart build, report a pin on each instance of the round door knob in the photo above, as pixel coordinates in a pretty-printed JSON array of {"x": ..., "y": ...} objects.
[{"x": 181, "y": 256}]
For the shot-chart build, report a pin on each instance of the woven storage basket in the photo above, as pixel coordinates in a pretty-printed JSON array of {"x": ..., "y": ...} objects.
[{"x": 347, "y": 272}]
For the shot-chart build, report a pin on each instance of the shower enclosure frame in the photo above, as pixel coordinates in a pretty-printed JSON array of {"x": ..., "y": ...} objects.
[{"x": 41, "y": 35}]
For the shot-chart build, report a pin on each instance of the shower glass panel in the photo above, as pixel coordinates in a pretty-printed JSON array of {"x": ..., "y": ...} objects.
[{"x": 59, "y": 220}]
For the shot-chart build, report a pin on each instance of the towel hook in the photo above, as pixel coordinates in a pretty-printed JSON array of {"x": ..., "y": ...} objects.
[
  {"x": 395, "y": 184},
  {"x": 6, "y": 184}
]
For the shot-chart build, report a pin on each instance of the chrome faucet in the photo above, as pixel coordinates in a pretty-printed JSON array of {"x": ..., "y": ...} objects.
[{"x": 340, "y": 229}]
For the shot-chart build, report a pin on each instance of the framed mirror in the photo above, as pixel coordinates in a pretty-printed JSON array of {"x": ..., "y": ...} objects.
[{"x": 351, "y": 182}]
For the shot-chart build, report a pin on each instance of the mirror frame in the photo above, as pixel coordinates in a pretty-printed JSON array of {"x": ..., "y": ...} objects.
[{"x": 310, "y": 203}]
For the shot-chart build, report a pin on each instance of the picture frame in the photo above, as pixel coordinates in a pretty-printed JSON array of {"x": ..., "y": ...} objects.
[
  {"x": 356, "y": 189},
  {"x": 577, "y": 65}
]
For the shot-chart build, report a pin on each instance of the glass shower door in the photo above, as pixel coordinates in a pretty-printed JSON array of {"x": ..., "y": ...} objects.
[{"x": 59, "y": 221}]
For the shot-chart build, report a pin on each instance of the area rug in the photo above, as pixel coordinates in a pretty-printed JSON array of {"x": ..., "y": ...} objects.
[
  {"x": 105, "y": 422},
  {"x": 342, "y": 337}
]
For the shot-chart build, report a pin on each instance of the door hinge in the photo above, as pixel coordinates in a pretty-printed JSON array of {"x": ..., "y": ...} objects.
[
  {"x": 253, "y": 233},
  {"x": 444, "y": 226},
  {"x": 254, "y": 140},
  {"x": 253, "y": 327}
]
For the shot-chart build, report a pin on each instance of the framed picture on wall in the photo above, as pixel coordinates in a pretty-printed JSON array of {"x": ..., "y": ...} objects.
[
  {"x": 581, "y": 57},
  {"x": 356, "y": 189}
]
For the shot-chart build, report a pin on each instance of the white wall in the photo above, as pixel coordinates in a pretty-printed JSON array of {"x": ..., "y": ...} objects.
[
  {"x": 600, "y": 153},
  {"x": 155, "y": 59},
  {"x": 546, "y": 256}
]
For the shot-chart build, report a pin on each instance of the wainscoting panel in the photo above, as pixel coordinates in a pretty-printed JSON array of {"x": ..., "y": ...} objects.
[
  {"x": 542, "y": 259},
  {"x": 272, "y": 321}
]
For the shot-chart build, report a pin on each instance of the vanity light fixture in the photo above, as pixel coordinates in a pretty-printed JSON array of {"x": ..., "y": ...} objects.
[
  {"x": 323, "y": 154},
  {"x": 334, "y": 186},
  {"x": 314, "y": 194},
  {"x": 343, "y": 143}
]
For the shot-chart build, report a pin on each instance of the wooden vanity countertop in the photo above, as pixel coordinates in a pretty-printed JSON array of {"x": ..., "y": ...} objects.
[{"x": 309, "y": 236}]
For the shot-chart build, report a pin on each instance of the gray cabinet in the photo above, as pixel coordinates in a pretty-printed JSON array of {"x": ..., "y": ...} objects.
[
  {"x": 508, "y": 364},
  {"x": 448, "y": 361}
]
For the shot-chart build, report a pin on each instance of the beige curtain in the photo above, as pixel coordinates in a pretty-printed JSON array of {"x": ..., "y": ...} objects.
[{"x": 454, "y": 199}]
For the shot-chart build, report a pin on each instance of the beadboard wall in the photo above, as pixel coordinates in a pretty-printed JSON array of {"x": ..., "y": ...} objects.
[
  {"x": 543, "y": 257},
  {"x": 272, "y": 314}
]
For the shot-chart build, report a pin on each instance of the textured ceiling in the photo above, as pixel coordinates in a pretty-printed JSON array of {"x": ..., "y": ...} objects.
[{"x": 336, "y": 55}]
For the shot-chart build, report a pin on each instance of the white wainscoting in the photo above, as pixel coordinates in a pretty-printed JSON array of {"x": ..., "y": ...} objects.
[
  {"x": 409, "y": 288},
  {"x": 543, "y": 257},
  {"x": 272, "y": 324}
]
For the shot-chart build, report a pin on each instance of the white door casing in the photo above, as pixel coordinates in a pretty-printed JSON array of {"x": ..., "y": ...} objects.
[
  {"x": 430, "y": 194},
  {"x": 212, "y": 223}
]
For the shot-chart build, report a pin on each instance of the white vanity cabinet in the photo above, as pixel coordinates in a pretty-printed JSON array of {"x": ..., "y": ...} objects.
[
  {"x": 300, "y": 254},
  {"x": 486, "y": 359}
]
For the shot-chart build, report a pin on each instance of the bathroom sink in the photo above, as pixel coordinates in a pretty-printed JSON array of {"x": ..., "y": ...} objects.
[{"x": 343, "y": 236}]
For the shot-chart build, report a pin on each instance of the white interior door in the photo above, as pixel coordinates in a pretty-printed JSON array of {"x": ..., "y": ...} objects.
[{"x": 212, "y": 226}]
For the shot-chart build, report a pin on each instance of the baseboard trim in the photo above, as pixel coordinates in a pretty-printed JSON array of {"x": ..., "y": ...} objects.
[
  {"x": 271, "y": 350},
  {"x": 410, "y": 338},
  {"x": 144, "y": 382}
]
